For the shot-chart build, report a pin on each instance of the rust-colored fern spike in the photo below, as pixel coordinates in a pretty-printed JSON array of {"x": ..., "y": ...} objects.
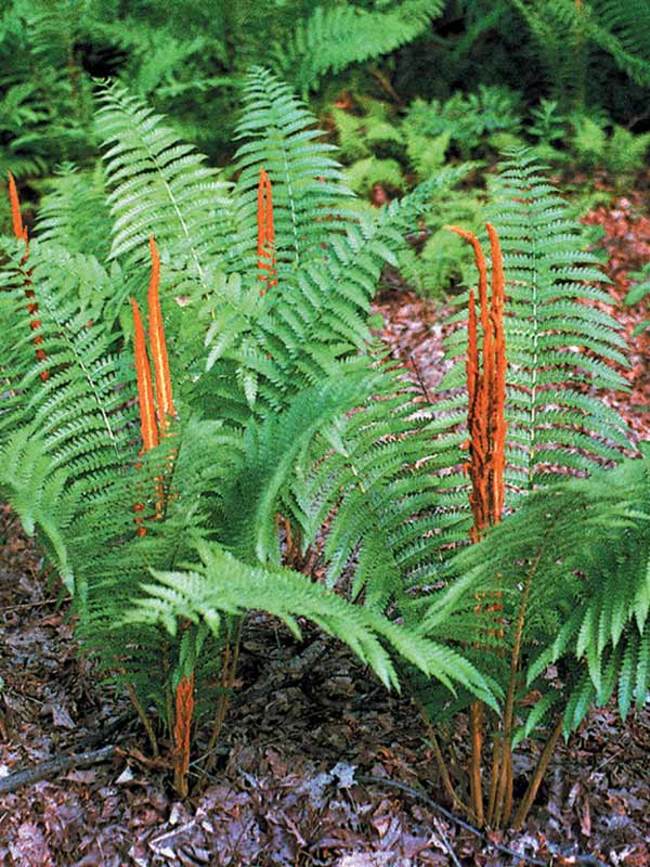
[
  {"x": 486, "y": 466},
  {"x": 148, "y": 427},
  {"x": 499, "y": 422},
  {"x": 182, "y": 732},
  {"x": 16, "y": 217},
  {"x": 164, "y": 398},
  {"x": 486, "y": 388},
  {"x": 265, "y": 233},
  {"x": 20, "y": 232}
]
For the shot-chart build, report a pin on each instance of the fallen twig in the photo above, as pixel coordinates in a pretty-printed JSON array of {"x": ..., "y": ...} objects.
[
  {"x": 53, "y": 767},
  {"x": 33, "y": 604}
]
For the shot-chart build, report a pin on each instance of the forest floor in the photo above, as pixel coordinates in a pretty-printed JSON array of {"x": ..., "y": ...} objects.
[{"x": 307, "y": 726}]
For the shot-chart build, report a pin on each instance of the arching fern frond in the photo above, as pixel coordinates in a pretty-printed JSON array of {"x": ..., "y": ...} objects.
[
  {"x": 158, "y": 185},
  {"x": 222, "y": 585},
  {"x": 70, "y": 397}
]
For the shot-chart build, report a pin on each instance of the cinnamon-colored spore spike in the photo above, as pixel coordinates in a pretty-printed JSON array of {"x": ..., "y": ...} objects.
[
  {"x": 265, "y": 232},
  {"x": 148, "y": 427},
  {"x": 182, "y": 731},
  {"x": 20, "y": 232},
  {"x": 486, "y": 388},
  {"x": 498, "y": 301},
  {"x": 487, "y": 428},
  {"x": 164, "y": 398}
]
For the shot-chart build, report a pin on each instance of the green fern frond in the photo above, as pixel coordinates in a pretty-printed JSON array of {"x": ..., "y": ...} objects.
[
  {"x": 223, "y": 585},
  {"x": 158, "y": 186},
  {"x": 333, "y": 38},
  {"x": 75, "y": 214}
]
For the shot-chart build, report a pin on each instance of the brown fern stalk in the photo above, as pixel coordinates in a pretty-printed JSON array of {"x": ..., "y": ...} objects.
[
  {"x": 182, "y": 732},
  {"x": 265, "y": 233},
  {"x": 20, "y": 232}
]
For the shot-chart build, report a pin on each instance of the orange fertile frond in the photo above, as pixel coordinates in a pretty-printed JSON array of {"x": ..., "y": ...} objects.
[
  {"x": 498, "y": 301},
  {"x": 16, "y": 217},
  {"x": 486, "y": 389},
  {"x": 182, "y": 731},
  {"x": 472, "y": 350},
  {"x": 145, "y": 386},
  {"x": 479, "y": 259},
  {"x": 265, "y": 231},
  {"x": 165, "y": 401},
  {"x": 20, "y": 231}
]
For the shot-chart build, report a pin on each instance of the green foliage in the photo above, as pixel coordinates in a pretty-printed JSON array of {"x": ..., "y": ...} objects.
[
  {"x": 622, "y": 153},
  {"x": 469, "y": 120},
  {"x": 566, "y": 32},
  {"x": 335, "y": 36},
  {"x": 585, "y": 544},
  {"x": 260, "y": 415}
]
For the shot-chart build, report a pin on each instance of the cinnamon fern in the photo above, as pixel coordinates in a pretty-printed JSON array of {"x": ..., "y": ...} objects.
[{"x": 265, "y": 398}]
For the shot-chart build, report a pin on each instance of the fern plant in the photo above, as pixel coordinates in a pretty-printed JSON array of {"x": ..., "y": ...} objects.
[
  {"x": 280, "y": 388},
  {"x": 552, "y": 335},
  {"x": 580, "y": 549}
]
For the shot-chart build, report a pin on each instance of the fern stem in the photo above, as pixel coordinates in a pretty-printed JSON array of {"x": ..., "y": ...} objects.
[
  {"x": 540, "y": 771},
  {"x": 228, "y": 673},
  {"x": 476, "y": 790},
  {"x": 443, "y": 770},
  {"x": 144, "y": 718},
  {"x": 494, "y": 779},
  {"x": 182, "y": 732},
  {"x": 504, "y": 793}
]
